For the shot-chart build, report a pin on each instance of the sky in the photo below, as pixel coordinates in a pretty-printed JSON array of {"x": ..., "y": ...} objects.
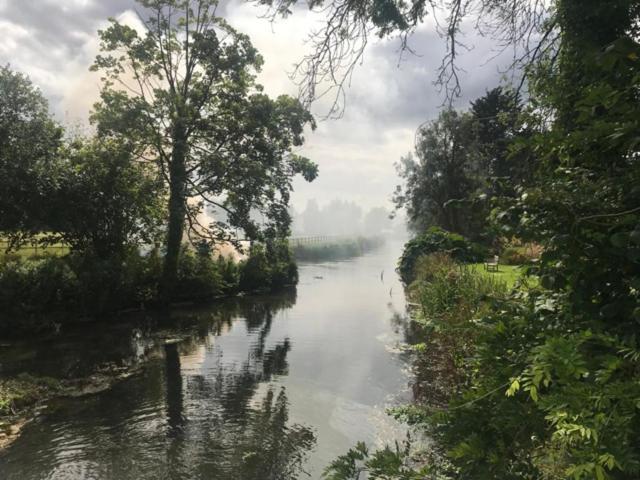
[{"x": 55, "y": 42}]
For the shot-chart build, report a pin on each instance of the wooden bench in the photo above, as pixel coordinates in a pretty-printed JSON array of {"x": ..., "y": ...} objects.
[{"x": 491, "y": 265}]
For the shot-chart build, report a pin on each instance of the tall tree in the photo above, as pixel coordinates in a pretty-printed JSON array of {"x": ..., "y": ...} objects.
[
  {"x": 183, "y": 91},
  {"x": 439, "y": 180},
  {"x": 29, "y": 142},
  {"x": 498, "y": 125}
]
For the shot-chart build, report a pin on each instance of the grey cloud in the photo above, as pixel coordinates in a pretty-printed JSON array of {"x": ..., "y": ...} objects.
[
  {"x": 54, "y": 25},
  {"x": 385, "y": 103}
]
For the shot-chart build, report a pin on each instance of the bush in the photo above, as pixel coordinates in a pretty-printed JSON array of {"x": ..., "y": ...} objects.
[
  {"x": 284, "y": 270},
  {"x": 437, "y": 240},
  {"x": 34, "y": 287},
  {"x": 230, "y": 272},
  {"x": 198, "y": 276},
  {"x": 513, "y": 256},
  {"x": 268, "y": 268},
  {"x": 36, "y": 292}
]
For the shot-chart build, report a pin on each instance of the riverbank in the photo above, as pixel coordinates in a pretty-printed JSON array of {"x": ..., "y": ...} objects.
[
  {"x": 445, "y": 338},
  {"x": 25, "y": 396},
  {"x": 261, "y": 384},
  {"x": 42, "y": 293}
]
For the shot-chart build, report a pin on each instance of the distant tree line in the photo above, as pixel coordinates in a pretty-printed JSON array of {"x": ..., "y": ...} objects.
[{"x": 343, "y": 217}]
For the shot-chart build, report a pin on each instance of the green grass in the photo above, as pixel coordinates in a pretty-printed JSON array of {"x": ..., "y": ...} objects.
[
  {"x": 509, "y": 274},
  {"x": 30, "y": 251}
]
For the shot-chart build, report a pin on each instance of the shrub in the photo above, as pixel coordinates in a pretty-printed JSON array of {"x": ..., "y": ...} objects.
[
  {"x": 284, "y": 270},
  {"x": 34, "y": 292},
  {"x": 269, "y": 267},
  {"x": 34, "y": 287},
  {"x": 513, "y": 256},
  {"x": 437, "y": 240},
  {"x": 37, "y": 292},
  {"x": 198, "y": 276},
  {"x": 450, "y": 292},
  {"x": 254, "y": 271},
  {"x": 230, "y": 273}
]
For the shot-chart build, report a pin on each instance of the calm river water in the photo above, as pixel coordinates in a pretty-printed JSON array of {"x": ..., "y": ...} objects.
[{"x": 263, "y": 388}]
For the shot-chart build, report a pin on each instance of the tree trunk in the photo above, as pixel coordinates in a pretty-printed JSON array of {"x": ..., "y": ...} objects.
[{"x": 177, "y": 211}]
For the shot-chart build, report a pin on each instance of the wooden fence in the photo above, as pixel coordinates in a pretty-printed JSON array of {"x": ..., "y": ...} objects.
[{"x": 33, "y": 250}]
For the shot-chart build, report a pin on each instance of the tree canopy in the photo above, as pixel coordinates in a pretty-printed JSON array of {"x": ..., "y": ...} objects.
[
  {"x": 462, "y": 162},
  {"x": 29, "y": 142},
  {"x": 183, "y": 93}
]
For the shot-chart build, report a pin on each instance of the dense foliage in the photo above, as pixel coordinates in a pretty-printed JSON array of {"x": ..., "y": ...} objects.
[
  {"x": 37, "y": 293},
  {"x": 104, "y": 201},
  {"x": 29, "y": 142},
  {"x": 437, "y": 240},
  {"x": 462, "y": 163},
  {"x": 549, "y": 386},
  {"x": 268, "y": 267}
]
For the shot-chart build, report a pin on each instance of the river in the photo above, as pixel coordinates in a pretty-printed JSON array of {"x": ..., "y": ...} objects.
[{"x": 261, "y": 388}]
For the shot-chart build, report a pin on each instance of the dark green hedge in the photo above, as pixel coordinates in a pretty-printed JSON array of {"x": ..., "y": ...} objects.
[{"x": 434, "y": 240}]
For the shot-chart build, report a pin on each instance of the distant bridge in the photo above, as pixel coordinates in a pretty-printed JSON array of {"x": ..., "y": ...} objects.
[{"x": 294, "y": 241}]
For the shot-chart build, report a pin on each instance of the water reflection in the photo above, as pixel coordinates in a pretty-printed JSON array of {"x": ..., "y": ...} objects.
[
  {"x": 251, "y": 388},
  {"x": 203, "y": 409},
  {"x": 175, "y": 417}
]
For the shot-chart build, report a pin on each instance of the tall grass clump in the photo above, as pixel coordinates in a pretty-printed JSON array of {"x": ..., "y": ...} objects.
[
  {"x": 450, "y": 293},
  {"x": 448, "y": 297}
]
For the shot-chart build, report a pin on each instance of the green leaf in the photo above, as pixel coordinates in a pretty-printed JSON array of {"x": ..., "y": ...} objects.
[
  {"x": 513, "y": 388},
  {"x": 620, "y": 239}
]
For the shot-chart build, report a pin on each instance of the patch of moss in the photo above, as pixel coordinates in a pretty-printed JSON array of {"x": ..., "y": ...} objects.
[{"x": 24, "y": 391}]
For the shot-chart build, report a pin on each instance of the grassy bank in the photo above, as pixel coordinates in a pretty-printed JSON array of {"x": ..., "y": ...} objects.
[
  {"x": 23, "y": 395},
  {"x": 24, "y": 391},
  {"x": 335, "y": 249},
  {"x": 41, "y": 293},
  {"x": 508, "y": 274}
]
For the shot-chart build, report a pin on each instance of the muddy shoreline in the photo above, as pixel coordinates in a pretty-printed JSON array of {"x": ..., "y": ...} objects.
[{"x": 24, "y": 397}]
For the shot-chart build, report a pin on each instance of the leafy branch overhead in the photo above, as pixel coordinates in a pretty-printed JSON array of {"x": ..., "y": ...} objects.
[{"x": 527, "y": 27}]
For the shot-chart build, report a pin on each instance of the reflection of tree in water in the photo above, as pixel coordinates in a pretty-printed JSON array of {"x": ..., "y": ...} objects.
[
  {"x": 269, "y": 449},
  {"x": 225, "y": 435},
  {"x": 403, "y": 325},
  {"x": 216, "y": 319},
  {"x": 175, "y": 409}
]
